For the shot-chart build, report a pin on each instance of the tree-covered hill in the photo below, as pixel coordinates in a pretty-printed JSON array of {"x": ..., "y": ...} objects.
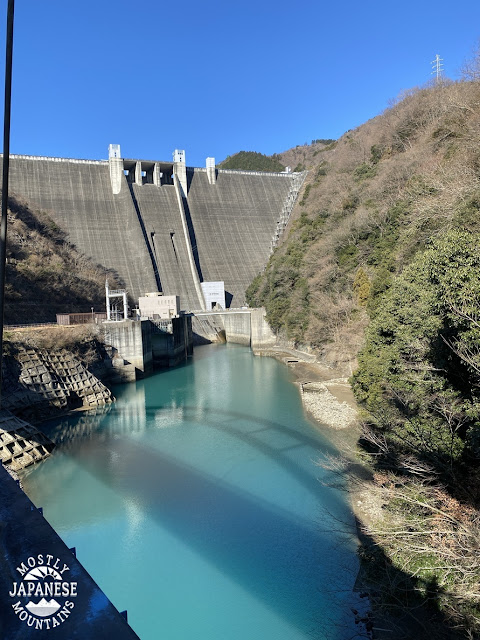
[
  {"x": 252, "y": 161},
  {"x": 379, "y": 272},
  {"x": 370, "y": 202}
]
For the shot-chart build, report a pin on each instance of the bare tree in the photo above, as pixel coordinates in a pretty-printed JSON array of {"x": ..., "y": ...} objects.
[{"x": 471, "y": 68}]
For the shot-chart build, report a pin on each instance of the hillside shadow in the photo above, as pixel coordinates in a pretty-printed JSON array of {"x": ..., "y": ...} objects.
[{"x": 403, "y": 607}]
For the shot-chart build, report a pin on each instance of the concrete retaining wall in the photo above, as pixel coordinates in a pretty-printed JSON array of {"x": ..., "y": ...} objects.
[
  {"x": 237, "y": 328},
  {"x": 171, "y": 349},
  {"x": 249, "y": 328},
  {"x": 262, "y": 335},
  {"x": 141, "y": 346},
  {"x": 21, "y": 444},
  {"x": 132, "y": 345}
]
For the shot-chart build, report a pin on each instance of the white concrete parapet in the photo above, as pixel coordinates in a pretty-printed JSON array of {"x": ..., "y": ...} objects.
[
  {"x": 211, "y": 172},
  {"x": 115, "y": 164}
]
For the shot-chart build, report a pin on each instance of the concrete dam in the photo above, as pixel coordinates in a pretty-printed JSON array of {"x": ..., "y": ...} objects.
[{"x": 163, "y": 226}]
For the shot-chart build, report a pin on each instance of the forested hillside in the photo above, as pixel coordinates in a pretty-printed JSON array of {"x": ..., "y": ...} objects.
[
  {"x": 380, "y": 268},
  {"x": 252, "y": 161},
  {"x": 45, "y": 274}
]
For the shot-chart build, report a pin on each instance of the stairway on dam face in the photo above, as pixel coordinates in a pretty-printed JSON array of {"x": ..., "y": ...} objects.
[
  {"x": 234, "y": 221},
  {"x": 78, "y": 197}
]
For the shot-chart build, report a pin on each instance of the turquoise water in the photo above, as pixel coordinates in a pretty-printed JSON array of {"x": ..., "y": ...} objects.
[{"x": 196, "y": 502}]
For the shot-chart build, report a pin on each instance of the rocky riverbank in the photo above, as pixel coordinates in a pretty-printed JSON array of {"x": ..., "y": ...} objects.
[{"x": 326, "y": 395}]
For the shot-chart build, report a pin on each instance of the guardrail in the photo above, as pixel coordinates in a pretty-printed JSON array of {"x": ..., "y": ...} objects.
[{"x": 8, "y": 327}]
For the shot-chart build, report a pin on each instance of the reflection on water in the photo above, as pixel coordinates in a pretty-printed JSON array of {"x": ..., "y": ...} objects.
[{"x": 196, "y": 503}]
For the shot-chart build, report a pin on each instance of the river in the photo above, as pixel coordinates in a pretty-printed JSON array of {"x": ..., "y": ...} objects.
[{"x": 196, "y": 502}]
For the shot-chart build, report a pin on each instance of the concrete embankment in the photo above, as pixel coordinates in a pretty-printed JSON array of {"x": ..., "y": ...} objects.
[
  {"x": 38, "y": 384},
  {"x": 21, "y": 444}
]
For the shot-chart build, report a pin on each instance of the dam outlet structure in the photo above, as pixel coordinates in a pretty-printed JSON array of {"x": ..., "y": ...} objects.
[{"x": 163, "y": 226}]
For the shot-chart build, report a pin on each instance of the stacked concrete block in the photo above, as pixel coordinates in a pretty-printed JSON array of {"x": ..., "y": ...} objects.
[
  {"x": 21, "y": 444},
  {"x": 35, "y": 381}
]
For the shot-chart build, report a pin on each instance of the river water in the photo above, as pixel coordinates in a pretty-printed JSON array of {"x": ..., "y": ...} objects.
[{"x": 196, "y": 503}]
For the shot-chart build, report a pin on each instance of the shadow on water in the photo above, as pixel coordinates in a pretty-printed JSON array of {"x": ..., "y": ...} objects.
[
  {"x": 67, "y": 434},
  {"x": 279, "y": 557},
  {"x": 291, "y": 564},
  {"x": 219, "y": 420}
]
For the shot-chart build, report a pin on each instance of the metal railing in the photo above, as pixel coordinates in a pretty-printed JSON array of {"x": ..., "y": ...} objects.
[
  {"x": 53, "y": 159},
  {"x": 8, "y": 327}
]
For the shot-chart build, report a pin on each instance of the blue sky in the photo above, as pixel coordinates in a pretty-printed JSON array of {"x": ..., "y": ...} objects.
[{"x": 216, "y": 77}]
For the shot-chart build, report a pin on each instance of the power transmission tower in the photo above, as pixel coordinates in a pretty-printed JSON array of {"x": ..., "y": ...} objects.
[{"x": 437, "y": 67}]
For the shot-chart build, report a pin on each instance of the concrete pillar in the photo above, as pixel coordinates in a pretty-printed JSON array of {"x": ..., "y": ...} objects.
[
  {"x": 180, "y": 170},
  {"x": 115, "y": 164},
  {"x": 138, "y": 173},
  {"x": 211, "y": 172},
  {"x": 132, "y": 341},
  {"x": 156, "y": 175}
]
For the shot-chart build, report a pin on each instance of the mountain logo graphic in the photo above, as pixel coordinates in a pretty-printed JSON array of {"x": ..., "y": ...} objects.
[
  {"x": 44, "y": 597},
  {"x": 43, "y": 608}
]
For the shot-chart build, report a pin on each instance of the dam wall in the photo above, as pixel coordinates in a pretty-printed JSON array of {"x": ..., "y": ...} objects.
[
  {"x": 157, "y": 230},
  {"x": 78, "y": 197},
  {"x": 161, "y": 216}
]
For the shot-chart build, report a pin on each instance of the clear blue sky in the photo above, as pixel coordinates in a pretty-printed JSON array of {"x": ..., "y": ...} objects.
[{"x": 216, "y": 77}]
